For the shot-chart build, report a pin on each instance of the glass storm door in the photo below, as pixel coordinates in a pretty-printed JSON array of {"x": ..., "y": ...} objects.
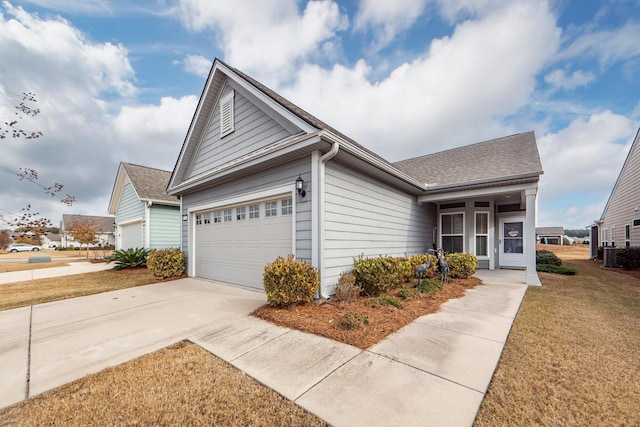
[{"x": 512, "y": 242}]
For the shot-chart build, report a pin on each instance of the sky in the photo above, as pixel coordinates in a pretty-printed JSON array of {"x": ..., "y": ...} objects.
[{"x": 120, "y": 80}]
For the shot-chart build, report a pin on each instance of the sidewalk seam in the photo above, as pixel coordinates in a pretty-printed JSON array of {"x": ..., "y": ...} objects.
[
  {"x": 28, "y": 379},
  {"x": 326, "y": 376}
]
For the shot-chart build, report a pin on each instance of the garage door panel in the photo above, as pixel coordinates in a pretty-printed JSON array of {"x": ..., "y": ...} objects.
[
  {"x": 131, "y": 235},
  {"x": 237, "y": 251}
]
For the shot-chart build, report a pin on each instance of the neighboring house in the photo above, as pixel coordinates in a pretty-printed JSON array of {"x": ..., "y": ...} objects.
[
  {"x": 248, "y": 149},
  {"x": 103, "y": 225},
  {"x": 51, "y": 240},
  {"x": 619, "y": 224},
  {"x": 145, "y": 215},
  {"x": 550, "y": 235}
]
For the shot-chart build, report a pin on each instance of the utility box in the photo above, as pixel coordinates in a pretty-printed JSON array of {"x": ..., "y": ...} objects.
[
  {"x": 33, "y": 259},
  {"x": 609, "y": 256}
]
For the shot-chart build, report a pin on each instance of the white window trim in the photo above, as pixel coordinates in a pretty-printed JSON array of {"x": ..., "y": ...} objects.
[
  {"x": 464, "y": 229},
  {"x": 633, "y": 223},
  {"x": 605, "y": 241},
  {"x": 227, "y": 114},
  {"x": 627, "y": 240},
  {"x": 612, "y": 238},
  {"x": 476, "y": 234}
]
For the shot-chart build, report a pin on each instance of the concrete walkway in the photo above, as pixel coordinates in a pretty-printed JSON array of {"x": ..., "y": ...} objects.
[
  {"x": 432, "y": 372},
  {"x": 43, "y": 273}
]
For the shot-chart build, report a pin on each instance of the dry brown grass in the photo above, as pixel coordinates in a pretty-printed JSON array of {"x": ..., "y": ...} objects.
[
  {"x": 21, "y": 266},
  {"x": 21, "y": 294},
  {"x": 573, "y": 354},
  {"x": 182, "y": 385},
  {"x": 57, "y": 254},
  {"x": 324, "y": 319}
]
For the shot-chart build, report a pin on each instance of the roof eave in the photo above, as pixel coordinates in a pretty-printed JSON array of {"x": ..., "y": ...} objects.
[{"x": 483, "y": 182}]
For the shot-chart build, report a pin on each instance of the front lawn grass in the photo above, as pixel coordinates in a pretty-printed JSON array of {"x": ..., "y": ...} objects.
[
  {"x": 573, "y": 354},
  {"x": 181, "y": 385},
  {"x": 21, "y": 294},
  {"x": 6, "y": 267}
]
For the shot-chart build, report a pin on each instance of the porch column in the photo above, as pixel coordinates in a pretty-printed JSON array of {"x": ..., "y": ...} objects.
[{"x": 530, "y": 237}]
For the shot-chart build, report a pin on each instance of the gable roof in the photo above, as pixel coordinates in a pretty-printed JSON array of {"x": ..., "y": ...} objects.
[
  {"x": 150, "y": 185},
  {"x": 635, "y": 148},
  {"x": 104, "y": 224},
  {"x": 503, "y": 159},
  {"x": 549, "y": 230}
]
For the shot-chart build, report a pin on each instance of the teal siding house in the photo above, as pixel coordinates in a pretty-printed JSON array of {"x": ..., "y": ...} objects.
[{"x": 145, "y": 215}]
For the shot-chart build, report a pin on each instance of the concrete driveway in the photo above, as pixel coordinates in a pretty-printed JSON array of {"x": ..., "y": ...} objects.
[{"x": 432, "y": 372}]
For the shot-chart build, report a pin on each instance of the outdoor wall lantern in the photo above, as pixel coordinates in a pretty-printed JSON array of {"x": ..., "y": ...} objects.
[
  {"x": 300, "y": 186},
  {"x": 185, "y": 217}
]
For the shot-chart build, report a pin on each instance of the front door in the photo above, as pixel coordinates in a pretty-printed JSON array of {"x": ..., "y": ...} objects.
[{"x": 512, "y": 242}]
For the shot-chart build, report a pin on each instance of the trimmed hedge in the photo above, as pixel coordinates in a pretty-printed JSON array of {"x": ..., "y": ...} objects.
[
  {"x": 461, "y": 266},
  {"x": 288, "y": 281},
  {"x": 549, "y": 268},
  {"x": 165, "y": 263},
  {"x": 628, "y": 258},
  {"x": 547, "y": 257}
]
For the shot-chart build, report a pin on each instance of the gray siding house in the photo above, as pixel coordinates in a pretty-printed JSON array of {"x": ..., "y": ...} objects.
[
  {"x": 248, "y": 149},
  {"x": 619, "y": 224},
  {"x": 550, "y": 235},
  {"x": 145, "y": 215}
]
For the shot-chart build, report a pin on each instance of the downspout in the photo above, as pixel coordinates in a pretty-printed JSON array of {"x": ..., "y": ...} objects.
[
  {"x": 321, "y": 169},
  {"x": 146, "y": 224}
]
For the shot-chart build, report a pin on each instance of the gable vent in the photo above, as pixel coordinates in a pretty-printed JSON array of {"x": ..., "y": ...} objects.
[{"x": 227, "y": 122}]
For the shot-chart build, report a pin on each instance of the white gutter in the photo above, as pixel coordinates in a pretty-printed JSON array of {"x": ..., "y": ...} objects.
[{"x": 320, "y": 195}]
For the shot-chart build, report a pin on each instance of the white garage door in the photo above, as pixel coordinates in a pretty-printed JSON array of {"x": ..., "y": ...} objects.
[
  {"x": 131, "y": 235},
  {"x": 234, "y": 243}
]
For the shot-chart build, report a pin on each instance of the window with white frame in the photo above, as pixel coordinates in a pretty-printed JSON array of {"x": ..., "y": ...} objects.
[
  {"x": 227, "y": 119},
  {"x": 198, "y": 219},
  {"x": 217, "y": 216},
  {"x": 207, "y": 217},
  {"x": 482, "y": 234},
  {"x": 287, "y": 207},
  {"x": 627, "y": 235},
  {"x": 270, "y": 209},
  {"x": 254, "y": 211},
  {"x": 636, "y": 222},
  {"x": 612, "y": 237},
  {"x": 452, "y": 232},
  {"x": 228, "y": 215},
  {"x": 241, "y": 213},
  {"x": 605, "y": 241}
]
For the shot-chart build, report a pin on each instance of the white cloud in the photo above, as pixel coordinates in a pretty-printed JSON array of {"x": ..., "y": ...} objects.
[
  {"x": 154, "y": 133},
  {"x": 267, "y": 38},
  {"x": 388, "y": 18},
  {"x": 75, "y": 6},
  {"x": 457, "y": 93},
  {"x": 198, "y": 65},
  {"x": 608, "y": 46},
  {"x": 559, "y": 79},
  {"x": 586, "y": 156}
]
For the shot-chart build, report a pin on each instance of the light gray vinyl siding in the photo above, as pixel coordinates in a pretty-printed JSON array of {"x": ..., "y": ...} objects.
[
  {"x": 130, "y": 207},
  {"x": 274, "y": 177},
  {"x": 365, "y": 216},
  {"x": 165, "y": 227},
  {"x": 253, "y": 130},
  {"x": 625, "y": 198}
]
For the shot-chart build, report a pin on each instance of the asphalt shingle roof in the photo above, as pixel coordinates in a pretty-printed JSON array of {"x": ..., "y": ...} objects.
[
  {"x": 149, "y": 183},
  {"x": 497, "y": 159},
  {"x": 104, "y": 224}
]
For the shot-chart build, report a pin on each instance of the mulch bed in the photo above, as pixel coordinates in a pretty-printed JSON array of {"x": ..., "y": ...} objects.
[{"x": 324, "y": 318}]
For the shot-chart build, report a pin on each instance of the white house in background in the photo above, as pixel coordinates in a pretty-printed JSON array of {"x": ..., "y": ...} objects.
[
  {"x": 619, "y": 224},
  {"x": 145, "y": 215},
  {"x": 550, "y": 235},
  {"x": 51, "y": 240},
  {"x": 258, "y": 178},
  {"x": 104, "y": 225}
]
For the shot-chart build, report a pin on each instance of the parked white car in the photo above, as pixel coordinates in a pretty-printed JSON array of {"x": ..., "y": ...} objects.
[{"x": 22, "y": 247}]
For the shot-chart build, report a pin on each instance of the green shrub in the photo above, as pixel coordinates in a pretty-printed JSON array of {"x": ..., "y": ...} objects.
[
  {"x": 386, "y": 300},
  {"x": 375, "y": 275},
  {"x": 407, "y": 293},
  {"x": 353, "y": 320},
  {"x": 165, "y": 263},
  {"x": 288, "y": 281},
  {"x": 461, "y": 265},
  {"x": 346, "y": 289},
  {"x": 600, "y": 253},
  {"x": 129, "y": 258},
  {"x": 429, "y": 285},
  {"x": 628, "y": 258},
  {"x": 556, "y": 269},
  {"x": 547, "y": 257}
]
